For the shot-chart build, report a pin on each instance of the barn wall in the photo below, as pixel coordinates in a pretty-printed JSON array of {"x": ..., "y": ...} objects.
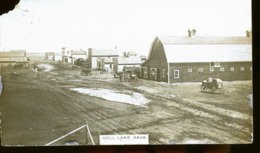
[
  {"x": 157, "y": 60},
  {"x": 196, "y": 76}
]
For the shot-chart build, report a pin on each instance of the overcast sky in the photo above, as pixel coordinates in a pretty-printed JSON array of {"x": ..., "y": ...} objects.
[{"x": 49, "y": 25}]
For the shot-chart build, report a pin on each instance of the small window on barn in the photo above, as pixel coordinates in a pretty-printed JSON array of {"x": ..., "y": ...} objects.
[
  {"x": 222, "y": 69},
  {"x": 214, "y": 64},
  {"x": 163, "y": 73},
  {"x": 176, "y": 74},
  {"x": 200, "y": 69},
  {"x": 68, "y": 52},
  {"x": 242, "y": 68},
  {"x": 189, "y": 69},
  {"x": 211, "y": 69},
  {"x": 232, "y": 68},
  {"x": 251, "y": 68}
]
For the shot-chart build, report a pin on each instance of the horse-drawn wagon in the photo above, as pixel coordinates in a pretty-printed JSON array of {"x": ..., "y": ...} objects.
[{"x": 212, "y": 85}]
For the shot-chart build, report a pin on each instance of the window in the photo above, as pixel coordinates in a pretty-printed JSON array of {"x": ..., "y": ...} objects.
[
  {"x": 189, "y": 69},
  {"x": 214, "y": 64},
  {"x": 163, "y": 73},
  {"x": 242, "y": 68},
  {"x": 200, "y": 69},
  {"x": 251, "y": 68},
  {"x": 68, "y": 52},
  {"x": 176, "y": 74},
  {"x": 232, "y": 68},
  {"x": 211, "y": 69},
  {"x": 222, "y": 69}
]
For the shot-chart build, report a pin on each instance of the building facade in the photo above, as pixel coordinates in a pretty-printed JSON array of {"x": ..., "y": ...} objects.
[
  {"x": 101, "y": 58},
  {"x": 78, "y": 54},
  {"x": 50, "y": 56},
  {"x": 192, "y": 59},
  {"x": 13, "y": 57},
  {"x": 36, "y": 56}
]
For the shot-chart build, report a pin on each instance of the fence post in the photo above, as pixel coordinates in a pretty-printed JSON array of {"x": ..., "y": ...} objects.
[{"x": 87, "y": 136}]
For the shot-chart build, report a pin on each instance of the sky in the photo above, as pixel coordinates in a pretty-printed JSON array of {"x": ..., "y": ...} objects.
[{"x": 131, "y": 25}]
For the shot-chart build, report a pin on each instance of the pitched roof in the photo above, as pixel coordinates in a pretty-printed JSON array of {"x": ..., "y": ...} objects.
[
  {"x": 208, "y": 53},
  {"x": 131, "y": 60},
  {"x": 12, "y": 54},
  {"x": 105, "y": 52},
  {"x": 205, "y": 49},
  {"x": 204, "y": 40}
]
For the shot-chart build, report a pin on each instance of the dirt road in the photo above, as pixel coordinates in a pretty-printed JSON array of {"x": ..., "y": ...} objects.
[{"x": 39, "y": 107}]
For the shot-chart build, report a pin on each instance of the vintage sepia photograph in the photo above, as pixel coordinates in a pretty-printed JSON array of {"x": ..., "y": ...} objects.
[{"x": 126, "y": 72}]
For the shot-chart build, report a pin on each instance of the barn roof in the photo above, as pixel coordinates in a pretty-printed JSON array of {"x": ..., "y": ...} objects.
[
  {"x": 204, "y": 40},
  {"x": 206, "y": 49},
  {"x": 104, "y": 52}
]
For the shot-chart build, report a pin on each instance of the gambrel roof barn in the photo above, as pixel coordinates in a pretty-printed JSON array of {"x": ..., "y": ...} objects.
[{"x": 194, "y": 58}]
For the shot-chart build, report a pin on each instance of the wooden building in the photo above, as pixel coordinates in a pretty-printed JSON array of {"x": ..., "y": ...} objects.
[
  {"x": 35, "y": 56},
  {"x": 98, "y": 57},
  {"x": 50, "y": 56},
  {"x": 192, "y": 58},
  {"x": 13, "y": 57},
  {"x": 128, "y": 62},
  {"x": 78, "y": 54}
]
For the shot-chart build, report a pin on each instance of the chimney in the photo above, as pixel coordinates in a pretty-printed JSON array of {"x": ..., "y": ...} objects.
[
  {"x": 191, "y": 33},
  {"x": 90, "y": 57}
]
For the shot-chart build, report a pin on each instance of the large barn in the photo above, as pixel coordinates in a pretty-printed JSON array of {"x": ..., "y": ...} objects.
[{"x": 195, "y": 58}]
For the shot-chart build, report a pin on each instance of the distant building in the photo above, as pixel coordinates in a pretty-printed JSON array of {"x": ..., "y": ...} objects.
[
  {"x": 13, "y": 57},
  {"x": 69, "y": 54},
  {"x": 192, "y": 58},
  {"x": 50, "y": 56},
  {"x": 36, "y": 56},
  {"x": 129, "y": 62},
  {"x": 78, "y": 54},
  {"x": 99, "y": 56},
  {"x": 58, "y": 57},
  {"x": 129, "y": 54}
]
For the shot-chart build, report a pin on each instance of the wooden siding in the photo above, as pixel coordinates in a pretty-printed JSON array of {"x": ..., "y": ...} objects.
[
  {"x": 196, "y": 76},
  {"x": 157, "y": 59}
]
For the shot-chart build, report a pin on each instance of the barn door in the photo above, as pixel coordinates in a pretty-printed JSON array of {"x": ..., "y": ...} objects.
[
  {"x": 145, "y": 72},
  {"x": 159, "y": 74},
  {"x": 153, "y": 73}
]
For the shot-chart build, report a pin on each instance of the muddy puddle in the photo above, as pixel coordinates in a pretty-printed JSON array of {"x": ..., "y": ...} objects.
[{"x": 113, "y": 95}]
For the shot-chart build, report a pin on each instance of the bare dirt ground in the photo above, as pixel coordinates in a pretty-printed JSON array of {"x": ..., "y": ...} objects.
[{"x": 39, "y": 107}]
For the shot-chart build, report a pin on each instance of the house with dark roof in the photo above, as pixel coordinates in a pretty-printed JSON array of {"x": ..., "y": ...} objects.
[
  {"x": 102, "y": 58},
  {"x": 194, "y": 58}
]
